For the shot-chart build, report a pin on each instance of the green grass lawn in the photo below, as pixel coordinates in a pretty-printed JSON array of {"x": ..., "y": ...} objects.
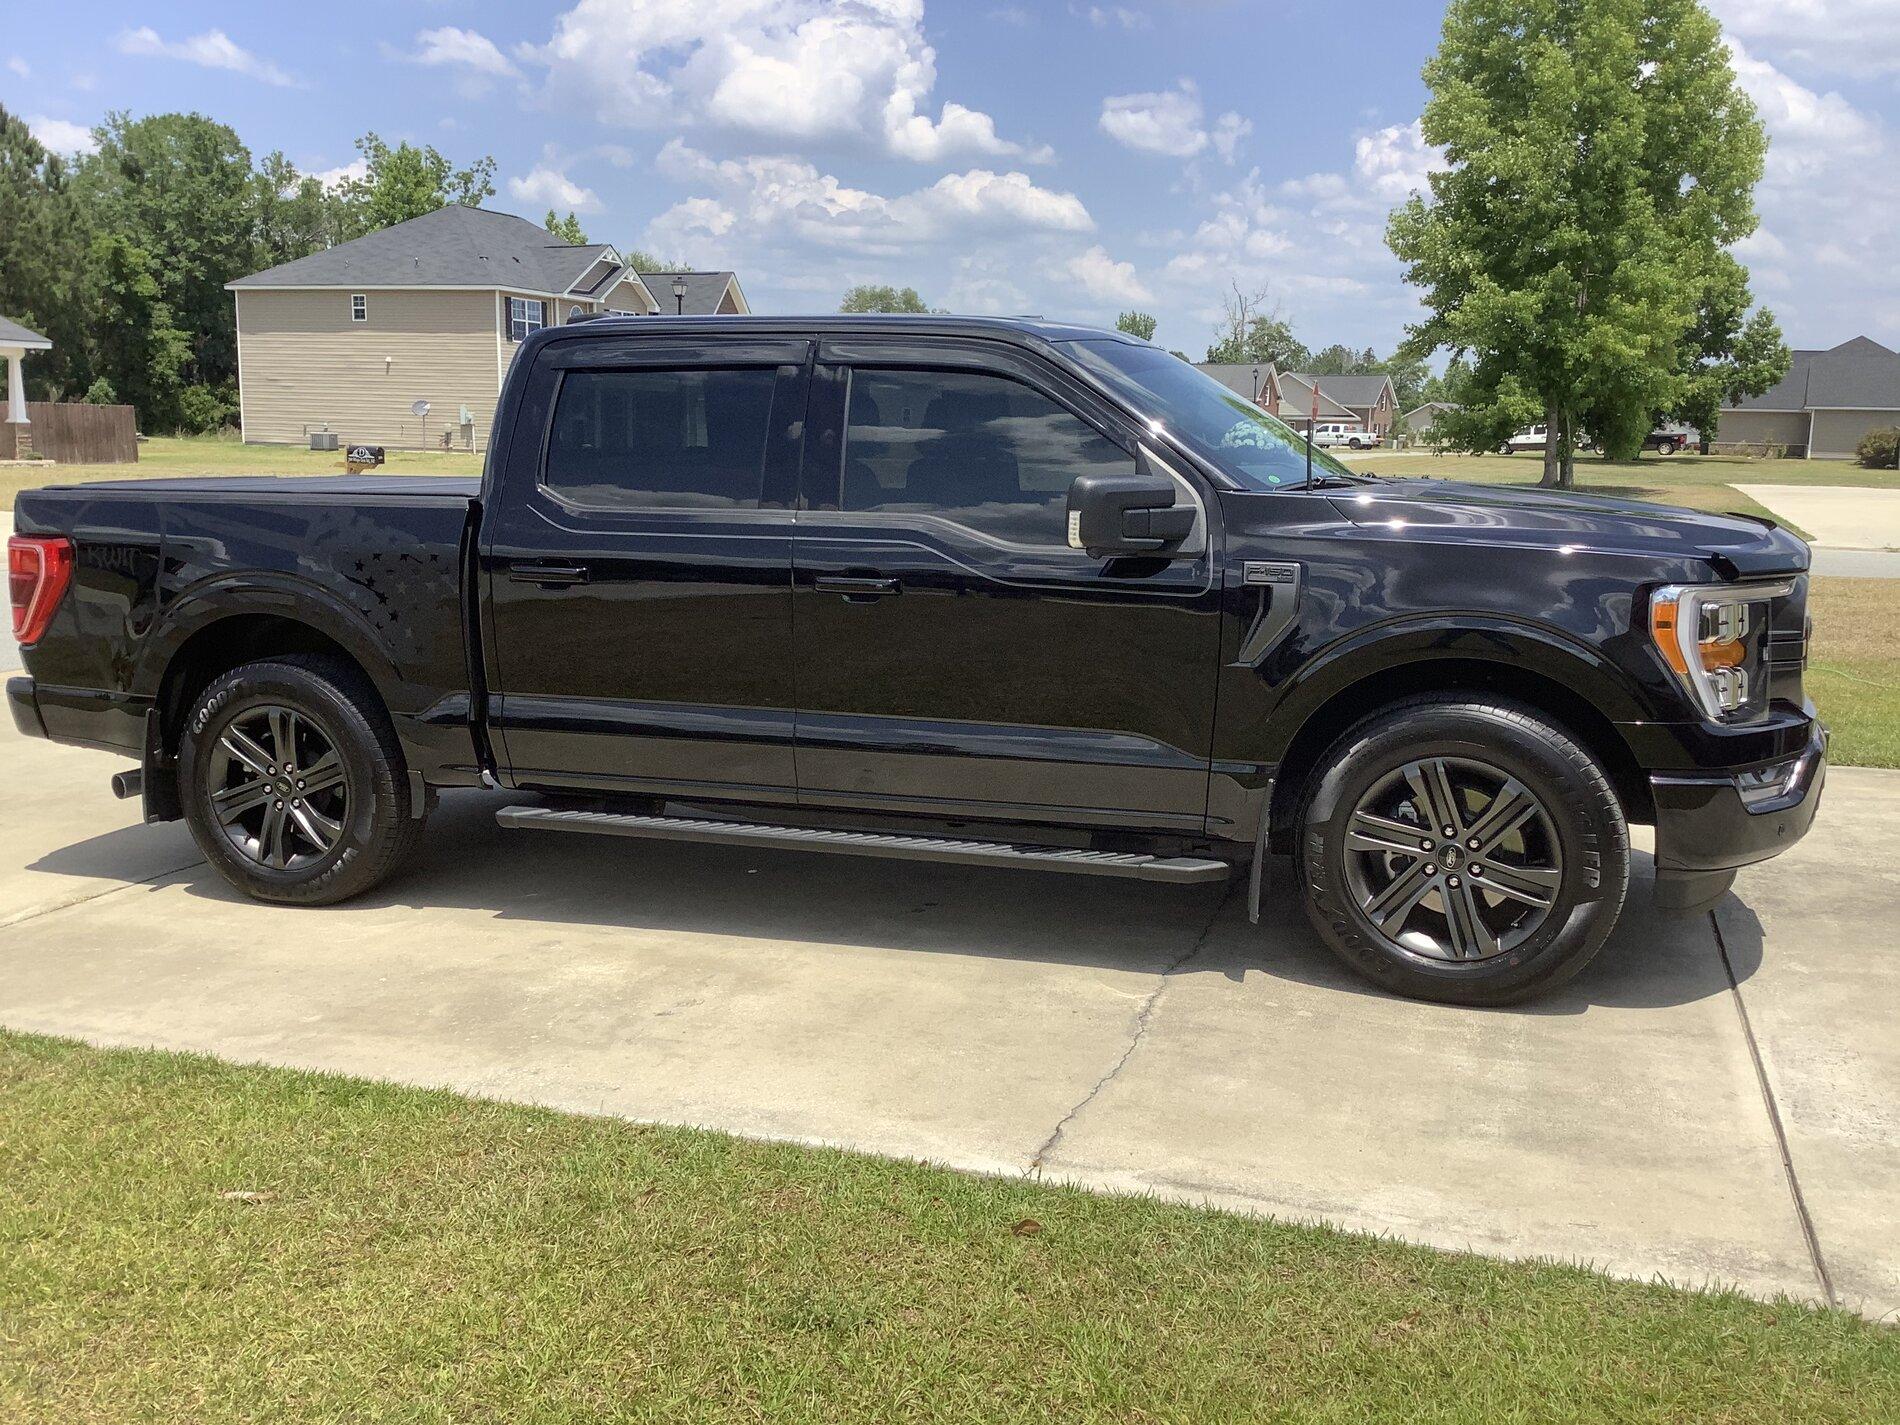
[
  {"x": 1854, "y": 667},
  {"x": 182, "y": 1240},
  {"x": 223, "y": 455}
]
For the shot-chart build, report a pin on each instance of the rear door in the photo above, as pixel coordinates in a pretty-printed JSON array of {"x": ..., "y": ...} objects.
[
  {"x": 957, "y": 657},
  {"x": 637, "y": 568}
]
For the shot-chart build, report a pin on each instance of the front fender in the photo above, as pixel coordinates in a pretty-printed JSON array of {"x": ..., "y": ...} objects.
[{"x": 1517, "y": 645}]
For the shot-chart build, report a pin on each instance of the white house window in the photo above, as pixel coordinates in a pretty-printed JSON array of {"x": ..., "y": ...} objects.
[
  {"x": 359, "y": 307},
  {"x": 525, "y": 314}
]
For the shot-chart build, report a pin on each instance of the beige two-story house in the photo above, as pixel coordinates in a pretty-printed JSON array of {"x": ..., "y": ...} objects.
[{"x": 350, "y": 339}]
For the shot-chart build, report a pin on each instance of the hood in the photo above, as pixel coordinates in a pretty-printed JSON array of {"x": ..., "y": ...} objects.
[{"x": 1737, "y": 546}]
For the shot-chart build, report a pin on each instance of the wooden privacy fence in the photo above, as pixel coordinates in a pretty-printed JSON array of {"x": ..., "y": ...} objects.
[{"x": 77, "y": 434}]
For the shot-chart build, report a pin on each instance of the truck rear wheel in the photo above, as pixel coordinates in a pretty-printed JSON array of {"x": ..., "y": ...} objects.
[
  {"x": 1469, "y": 852},
  {"x": 293, "y": 782}
]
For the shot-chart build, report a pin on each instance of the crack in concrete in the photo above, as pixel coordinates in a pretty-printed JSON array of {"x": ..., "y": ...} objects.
[
  {"x": 33, "y": 915},
  {"x": 1142, "y": 1018},
  {"x": 1802, "y": 1215}
]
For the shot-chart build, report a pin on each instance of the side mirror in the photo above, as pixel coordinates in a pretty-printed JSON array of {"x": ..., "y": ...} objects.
[{"x": 1134, "y": 514}]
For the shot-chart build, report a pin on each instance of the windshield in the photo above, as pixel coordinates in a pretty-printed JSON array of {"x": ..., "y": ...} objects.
[{"x": 1221, "y": 426}]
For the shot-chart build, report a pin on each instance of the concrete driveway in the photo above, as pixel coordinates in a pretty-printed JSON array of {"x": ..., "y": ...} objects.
[
  {"x": 1838, "y": 516},
  {"x": 1717, "y": 1100}
]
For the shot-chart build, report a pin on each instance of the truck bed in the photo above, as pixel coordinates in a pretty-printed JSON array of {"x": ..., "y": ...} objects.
[{"x": 375, "y": 563}]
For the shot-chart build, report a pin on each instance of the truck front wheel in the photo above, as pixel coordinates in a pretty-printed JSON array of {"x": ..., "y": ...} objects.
[
  {"x": 293, "y": 782},
  {"x": 1463, "y": 851}
]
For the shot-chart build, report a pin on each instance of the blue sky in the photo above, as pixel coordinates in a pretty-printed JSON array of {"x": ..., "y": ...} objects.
[{"x": 1063, "y": 158}]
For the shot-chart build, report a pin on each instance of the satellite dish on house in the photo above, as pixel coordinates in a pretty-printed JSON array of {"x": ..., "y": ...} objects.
[{"x": 418, "y": 408}]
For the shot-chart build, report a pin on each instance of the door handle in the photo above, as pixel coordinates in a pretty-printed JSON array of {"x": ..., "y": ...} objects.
[
  {"x": 548, "y": 575},
  {"x": 855, "y": 587}
]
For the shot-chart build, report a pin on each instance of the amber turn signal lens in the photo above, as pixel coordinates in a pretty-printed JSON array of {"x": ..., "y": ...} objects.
[
  {"x": 1662, "y": 631},
  {"x": 1728, "y": 653}
]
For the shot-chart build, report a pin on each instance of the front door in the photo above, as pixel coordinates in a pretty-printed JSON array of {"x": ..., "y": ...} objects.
[
  {"x": 957, "y": 657},
  {"x": 638, "y": 569}
]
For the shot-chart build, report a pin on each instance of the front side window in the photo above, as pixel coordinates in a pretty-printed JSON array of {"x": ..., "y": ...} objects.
[
  {"x": 525, "y": 314},
  {"x": 359, "y": 307},
  {"x": 1221, "y": 426},
  {"x": 985, "y": 451},
  {"x": 675, "y": 439}
]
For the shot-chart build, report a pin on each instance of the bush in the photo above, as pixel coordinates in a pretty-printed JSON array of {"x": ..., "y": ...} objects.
[
  {"x": 205, "y": 408},
  {"x": 101, "y": 393},
  {"x": 1880, "y": 449}
]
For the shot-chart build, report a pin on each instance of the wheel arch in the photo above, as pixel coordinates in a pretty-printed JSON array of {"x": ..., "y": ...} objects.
[
  {"x": 216, "y": 634},
  {"x": 1332, "y": 705}
]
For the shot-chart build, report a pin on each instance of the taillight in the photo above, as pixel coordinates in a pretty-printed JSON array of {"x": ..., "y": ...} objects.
[{"x": 38, "y": 570}]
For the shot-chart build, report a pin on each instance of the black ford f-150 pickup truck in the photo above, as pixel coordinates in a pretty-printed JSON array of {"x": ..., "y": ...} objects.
[{"x": 1002, "y": 592}]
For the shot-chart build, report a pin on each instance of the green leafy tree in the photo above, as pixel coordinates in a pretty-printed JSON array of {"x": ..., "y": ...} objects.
[
  {"x": 44, "y": 278},
  {"x": 1338, "y": 360},
  {"x": 292, "y": 213},
  {"x": 1136, "y": 324},
  {"x": 1601, "y": 160},
  {"x": 641, "y": 260},
  {"x": 868, "y": 298},
  {"x": 178, "y": 189},
  {"x": 1251, "y": 330},
  {"x": 567, "y": 229},
  {"x": 406, "y": 182},
  {"x": 1731, "y": 353},
  {"x": 1410, "y": 376},
  {"x": 140, "y": 354}
]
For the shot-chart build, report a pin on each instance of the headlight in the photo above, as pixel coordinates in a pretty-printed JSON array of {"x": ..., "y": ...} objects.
[{"x": 1714, "y": 637}]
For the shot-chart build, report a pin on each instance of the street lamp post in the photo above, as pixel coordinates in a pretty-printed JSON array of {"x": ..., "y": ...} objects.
[
  {"x": 679, "y": 296},
  {"x": 1256, "y": 385}
]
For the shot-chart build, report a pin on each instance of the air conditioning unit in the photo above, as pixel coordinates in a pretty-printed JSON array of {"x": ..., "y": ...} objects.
[{"x": 324, "y": 440}]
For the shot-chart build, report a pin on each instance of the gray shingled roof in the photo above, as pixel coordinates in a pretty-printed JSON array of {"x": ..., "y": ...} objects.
[
  {"x": 13, "y": 334},
  {"x": 1346, "y": 390},
  {"x": 1237, "y": 376},
  {"x": 1296, "y": 398},
  {"x": 703, "y": 291},
  {"x": 454, "y": 246},
  {"x": 1858, "y": 374}
]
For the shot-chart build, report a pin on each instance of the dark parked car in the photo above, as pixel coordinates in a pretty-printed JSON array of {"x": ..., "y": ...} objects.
[{"x": 1008, "y": 593}]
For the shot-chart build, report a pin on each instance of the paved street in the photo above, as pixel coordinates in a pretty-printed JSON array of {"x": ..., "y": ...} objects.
[{"x": 1122, "y": 1036}]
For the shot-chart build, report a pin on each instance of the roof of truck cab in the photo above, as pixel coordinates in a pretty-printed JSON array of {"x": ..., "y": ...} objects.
[{"x": 883, "y": 324}]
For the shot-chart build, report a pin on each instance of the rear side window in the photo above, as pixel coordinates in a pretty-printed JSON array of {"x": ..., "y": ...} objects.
[
  {"x": 676, "y": 439},
  {"x": 985, "y": 451}
]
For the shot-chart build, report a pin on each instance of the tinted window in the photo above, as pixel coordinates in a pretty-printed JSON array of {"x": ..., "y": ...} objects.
[
  {"x": 661, "y": 439},
  {"x": 984, "y": 451},
  {"x": 1219, "y": 425}
]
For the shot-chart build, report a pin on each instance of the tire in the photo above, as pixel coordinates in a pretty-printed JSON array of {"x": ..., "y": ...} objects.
[
  {"x": 1487, "y": 942},
  {"x": 1665, "y": 448},
  {"x": 351, "y": 826}
]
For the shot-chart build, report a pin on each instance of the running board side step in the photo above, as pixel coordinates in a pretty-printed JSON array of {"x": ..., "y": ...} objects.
[{"x": 1177, "y": 869}]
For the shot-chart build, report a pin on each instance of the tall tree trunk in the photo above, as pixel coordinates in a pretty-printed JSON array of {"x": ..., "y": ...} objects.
[
  {"x": 1553, "y": 466},
  {"x": 1568, "y": 480}
]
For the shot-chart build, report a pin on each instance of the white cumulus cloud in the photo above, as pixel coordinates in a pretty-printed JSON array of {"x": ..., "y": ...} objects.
[
  {"x": 1396, "y": 162},
  {"x": 547, "y": 186},
  {"x": 457, "y": 48},
  {"x": 773, "y": 200},
  {"x": 1103, "y": 278},
  {"x": 1860, "y": 38},
  {"x": 1171, "y": 122},
  {"x": 61, "y": 136},
  {"x": 793, "y": 70},
  {"x": 214, "y": 49}
]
